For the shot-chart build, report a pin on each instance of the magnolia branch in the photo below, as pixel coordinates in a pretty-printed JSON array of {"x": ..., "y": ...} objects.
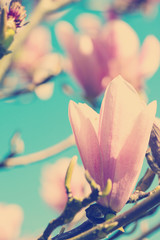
[
  {"x": 28, "y": 89},
  {"x": 43, "y": 8},
  {"x": 97, "y": 213},
  {"x": 11, "y": 161},
  {"x": 74, "y": 205},
  {"x": 78, "y": 232},
  {"x": 102, "y": 230}
]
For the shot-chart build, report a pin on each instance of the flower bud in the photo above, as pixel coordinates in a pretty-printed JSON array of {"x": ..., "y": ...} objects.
[{"x": 154, "y": 144}]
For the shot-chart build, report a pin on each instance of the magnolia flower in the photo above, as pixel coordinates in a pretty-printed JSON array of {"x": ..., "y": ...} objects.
[
  {"x": 35, "y": 62},
  {"x": 36, "y": 46},
  {"x": 112, "y": 144},
  {"x": 100, "y": 53},
  {"x": 11, "y": 217},
  {"x": 53, "y": 188}
]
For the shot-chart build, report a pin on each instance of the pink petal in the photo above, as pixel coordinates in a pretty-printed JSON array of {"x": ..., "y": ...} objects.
[
  {"x": 36, "y": 46},
  {"x": 130, "y": 159},
  {"x": 86, "y": 137},
  {"x": 11, "y": 217},
  {"x": 121, "y": 57},
  {"x": 149, "y": 56},
  {"x": 85, "y": 65},
  {"x": 120, "y": 108},
  {"x": 118, "y": 34},
  {"x": 89, "y": 23},
  {"x": 65, "y": 35},
  {"x": 53, "y": 189}
]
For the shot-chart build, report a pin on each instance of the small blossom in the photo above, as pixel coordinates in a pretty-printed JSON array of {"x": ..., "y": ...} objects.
[
  {"x": 112, "y": 144},
  {"x": 53, "y": 189},
  {"x": 17, "y": 13},
  {"x": 12, "y": 14},
  {"x": 11, "y": 217},
  {"x": 99, "y": 53}
]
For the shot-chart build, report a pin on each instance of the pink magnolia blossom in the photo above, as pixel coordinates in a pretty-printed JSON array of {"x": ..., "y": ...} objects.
[
  {"x": 112, "y": 144},
  {"x": 100, "y": 53},
  {"x": 11, "y": 217},
  {"x": 53, "y": 189}
]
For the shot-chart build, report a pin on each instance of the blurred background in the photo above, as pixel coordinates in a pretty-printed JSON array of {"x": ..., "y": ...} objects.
[{"x": 41, "y": 116}]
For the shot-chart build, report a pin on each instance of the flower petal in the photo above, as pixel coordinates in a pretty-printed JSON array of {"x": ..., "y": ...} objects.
[
  {"x": 89, "y": 23},
  {"x": 149, "y": 56},
  {"x": 53, "y": 188},
  {"x": 86, "y": 137},
  {"x": 118, "y": 34},
  {"x": 130, "y": 159},
  {"x": 85, "y": 64},
  {"x": 65, "y": 32},
  {"x": 11, "y": 218},
  {"x": 120, "y": 108}
]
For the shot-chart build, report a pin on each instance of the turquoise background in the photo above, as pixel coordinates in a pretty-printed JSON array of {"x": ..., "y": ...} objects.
[{"x": 44, "y": 123}]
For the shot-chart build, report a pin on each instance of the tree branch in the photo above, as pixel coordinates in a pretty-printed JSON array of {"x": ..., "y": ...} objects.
[
  {"x": 28, "y": 89},
  {"x": 39, "y": 156},
  {"x": 100, "y": 231}
]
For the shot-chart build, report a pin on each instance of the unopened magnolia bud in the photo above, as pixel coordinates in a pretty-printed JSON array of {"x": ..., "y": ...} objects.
[
  {"x": 17, "y": 144},
  {"x": 154, "y": 141},
  {"x": 8, "y": 39}
]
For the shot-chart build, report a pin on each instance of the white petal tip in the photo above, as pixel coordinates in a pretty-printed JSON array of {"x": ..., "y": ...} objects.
[{"x": 120, "y": 82}]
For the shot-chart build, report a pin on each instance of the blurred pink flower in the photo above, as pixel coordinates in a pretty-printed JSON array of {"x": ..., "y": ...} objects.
[
  {"x": 35, "y": 61},
  {"x": 37, "y": 45},
  {"x": 11, "y": 217},
  {"x": 128, "y": 6},
  {"x": 112, "y": 144},
  {"x": 100, "y": 53},
  {"x": 53, "y": 189}
]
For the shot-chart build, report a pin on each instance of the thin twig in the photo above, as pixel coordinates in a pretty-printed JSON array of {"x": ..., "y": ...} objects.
[
  {"x": 27, "y": 89},
  {"x": 41, "y": 155},
  {"x": 137, "y": 196}
]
